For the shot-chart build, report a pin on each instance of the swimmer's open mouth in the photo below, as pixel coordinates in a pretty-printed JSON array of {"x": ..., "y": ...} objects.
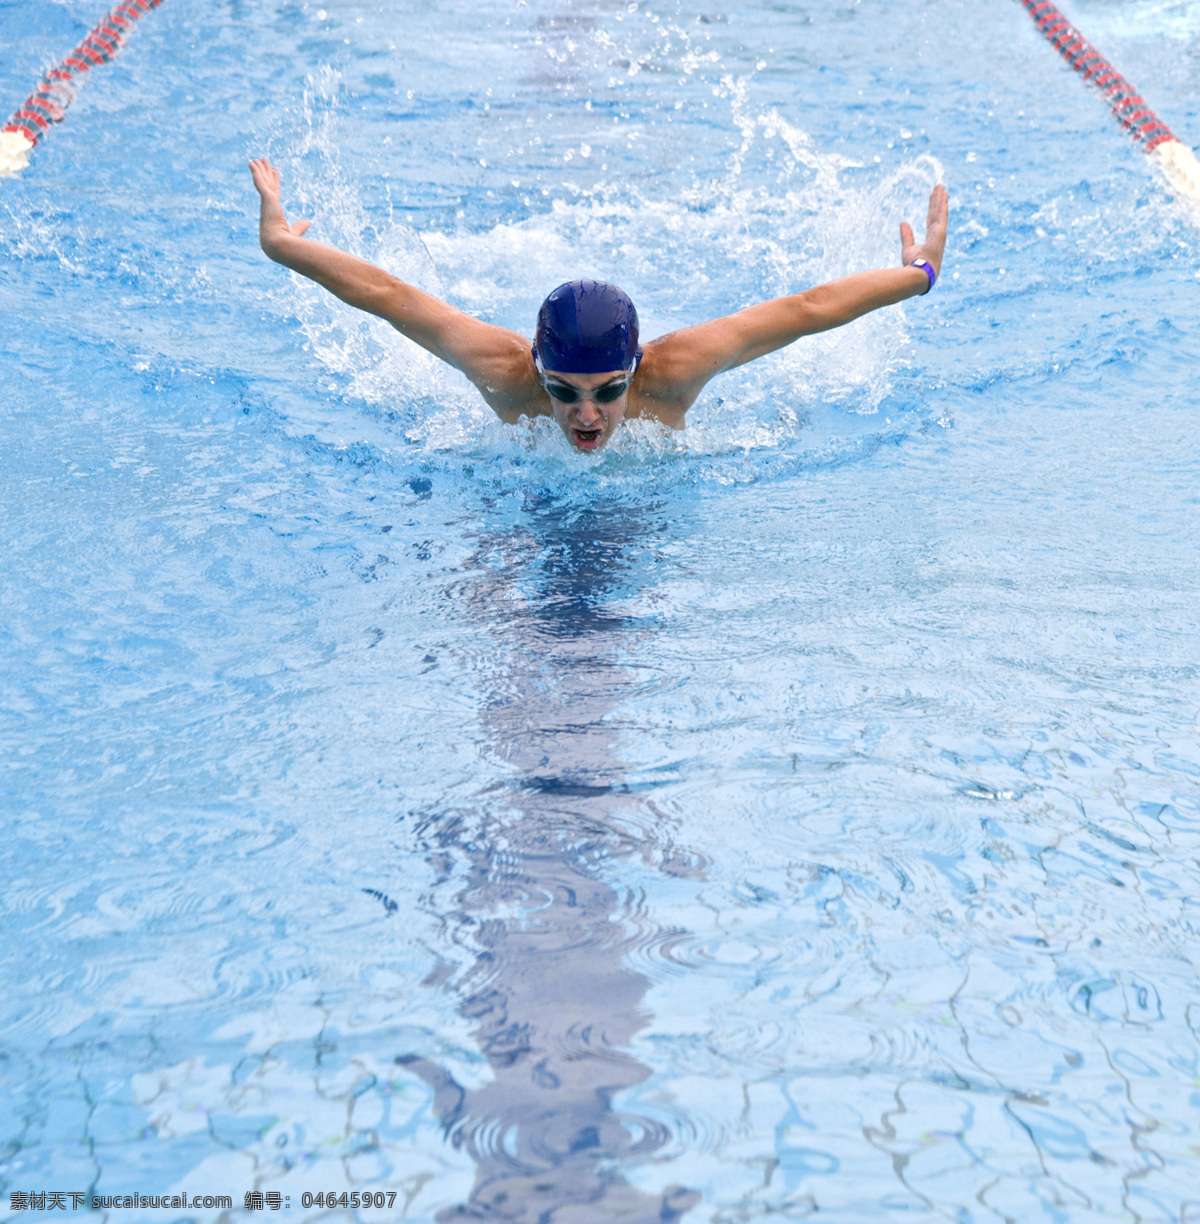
[{"x": 587, "y": 439}]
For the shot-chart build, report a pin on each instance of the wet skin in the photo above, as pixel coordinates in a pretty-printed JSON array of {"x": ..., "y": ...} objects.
[{"x": 587, "y": 424}]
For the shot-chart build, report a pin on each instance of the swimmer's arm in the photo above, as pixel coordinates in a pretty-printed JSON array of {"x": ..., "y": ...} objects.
[
  {"x": 495, "y": 359},
  {"x": 679, "y": 364}
]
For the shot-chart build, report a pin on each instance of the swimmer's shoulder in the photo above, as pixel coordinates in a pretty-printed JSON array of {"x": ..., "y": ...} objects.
[
  {"x": 664, "y": 387},
  {"x": 507, "y": 378}
]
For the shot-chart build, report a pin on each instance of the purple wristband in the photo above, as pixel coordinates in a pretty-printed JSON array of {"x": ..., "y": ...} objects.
[{"x": 927, "y": 268}]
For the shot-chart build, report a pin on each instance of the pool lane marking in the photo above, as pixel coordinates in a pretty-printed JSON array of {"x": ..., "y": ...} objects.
[
  {"x": 1175, "y": 159},
  {"x": 48, "y": 103}
]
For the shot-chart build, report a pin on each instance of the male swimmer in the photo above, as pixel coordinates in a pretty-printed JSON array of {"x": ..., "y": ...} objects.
[{"x": 585, "y": 367}]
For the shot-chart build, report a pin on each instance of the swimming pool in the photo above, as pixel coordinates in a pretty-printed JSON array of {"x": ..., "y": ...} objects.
[{"x": 796, "y": 815}]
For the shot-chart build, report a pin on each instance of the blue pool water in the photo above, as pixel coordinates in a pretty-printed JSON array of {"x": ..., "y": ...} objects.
[{"x": 795, "y": 816}]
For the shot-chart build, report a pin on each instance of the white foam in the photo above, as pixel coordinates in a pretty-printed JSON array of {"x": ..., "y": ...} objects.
[
  {"x": 14, "y": 153},
  {"x": 1181, "y": 170}
]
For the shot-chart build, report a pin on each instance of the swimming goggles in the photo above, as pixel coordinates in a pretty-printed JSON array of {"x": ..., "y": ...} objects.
[{"x": 566, "y": 394}]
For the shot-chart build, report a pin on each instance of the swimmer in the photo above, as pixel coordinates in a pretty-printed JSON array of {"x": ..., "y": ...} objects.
[{"x": 585, "y": 367}]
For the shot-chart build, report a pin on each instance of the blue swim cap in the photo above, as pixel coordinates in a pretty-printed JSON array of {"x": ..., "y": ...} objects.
[{"x": 587, "y": 327}]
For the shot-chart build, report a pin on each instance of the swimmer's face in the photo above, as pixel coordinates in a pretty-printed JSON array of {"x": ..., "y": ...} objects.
[{"x": 589, "y": 422}]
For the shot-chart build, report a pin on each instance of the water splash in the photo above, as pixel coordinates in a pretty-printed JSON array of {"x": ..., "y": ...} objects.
[{"x": 819, "y": 401}]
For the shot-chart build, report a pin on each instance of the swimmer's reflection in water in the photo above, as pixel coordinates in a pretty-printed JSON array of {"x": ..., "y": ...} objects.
[
  {"x": 552, "y": 1001},
  {"x": 585, "y": 367}
]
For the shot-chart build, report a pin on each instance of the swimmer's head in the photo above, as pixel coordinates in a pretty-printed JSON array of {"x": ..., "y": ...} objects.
[
  {"x": 587, "y": 327},
  {"x": 586, "y": 353}
]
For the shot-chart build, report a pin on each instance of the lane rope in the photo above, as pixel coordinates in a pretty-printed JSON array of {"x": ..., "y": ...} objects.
[
  {"x": 1175, "y": 159},
  {"x": 48, "y": 103}
]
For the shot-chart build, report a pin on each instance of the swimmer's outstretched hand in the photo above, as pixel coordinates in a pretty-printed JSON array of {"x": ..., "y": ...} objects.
[
  {"x": 934, "y": 245},
  {"x": 272, "y": 224}
]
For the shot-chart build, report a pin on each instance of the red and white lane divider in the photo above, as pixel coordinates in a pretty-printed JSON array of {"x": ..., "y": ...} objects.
[
  {"x": 1176, "y": 160},
  {"x": 49, "y": 101}
]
